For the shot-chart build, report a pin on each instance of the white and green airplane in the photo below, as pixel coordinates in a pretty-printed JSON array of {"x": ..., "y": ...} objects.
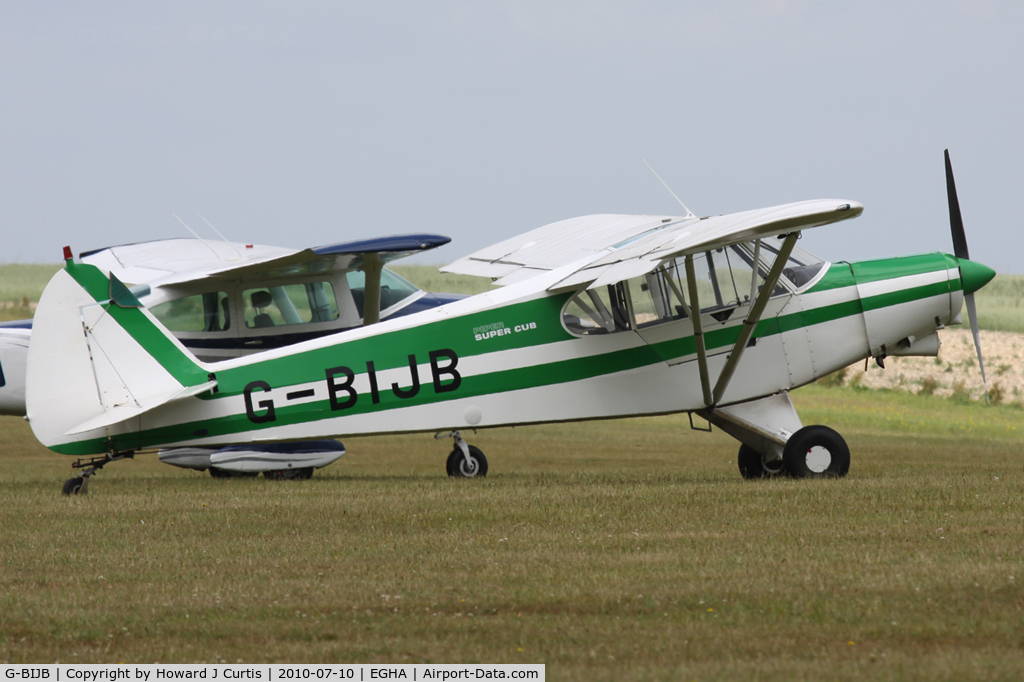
[{"x": 596, "y": 317}]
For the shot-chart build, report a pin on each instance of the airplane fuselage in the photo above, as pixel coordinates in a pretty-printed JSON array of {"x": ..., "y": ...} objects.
[{"x": 508, "y": 357}]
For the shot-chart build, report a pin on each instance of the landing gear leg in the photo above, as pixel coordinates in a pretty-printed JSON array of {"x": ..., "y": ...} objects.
[
  {"x": 466, "y": 461},
  {"x": 79, "y": 485}
]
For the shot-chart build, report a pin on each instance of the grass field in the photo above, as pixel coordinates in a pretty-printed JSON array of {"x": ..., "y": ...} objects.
[
  {"x": 611, "y": 550},
  {"x": 608, "y": 550}
]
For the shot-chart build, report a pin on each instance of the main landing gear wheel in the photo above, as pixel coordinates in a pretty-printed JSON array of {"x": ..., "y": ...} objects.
[
  {"x": 300, "y": 474},
  {"x": 459, "y": 466},
  {"x": 816, "y": 452},
  {"x": 752, "y": 464},
  {"x": 224, "y": 473}
]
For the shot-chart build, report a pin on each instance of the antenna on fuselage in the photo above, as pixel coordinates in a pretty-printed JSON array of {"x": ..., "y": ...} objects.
[
  {"x": 689, "y": 213},
  {"x": 221, "y": 236},
  {"x": 197, "y": 236}
]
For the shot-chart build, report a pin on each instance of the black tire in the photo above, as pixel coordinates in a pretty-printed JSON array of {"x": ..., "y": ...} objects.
[
  {"x": 224, "y": 473},
  {"x": 816, "y": 452},
  {"x": 458, "y": 467},
  {"x": 73, "y": 486},
  {"x": 301, "y": 474},
  {"x": 752, "y": 464}
]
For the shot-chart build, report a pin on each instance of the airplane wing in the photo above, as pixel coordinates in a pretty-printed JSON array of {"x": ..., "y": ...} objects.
[
  {"x": 173, "y": 261},
  {"x": 611, "y": 248}
]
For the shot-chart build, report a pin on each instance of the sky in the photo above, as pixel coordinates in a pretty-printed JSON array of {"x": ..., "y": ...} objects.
[{"x": 308, "y": 123}]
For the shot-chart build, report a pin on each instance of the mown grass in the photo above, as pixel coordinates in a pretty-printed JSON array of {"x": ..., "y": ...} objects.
[{"x": 608, "y": 550}]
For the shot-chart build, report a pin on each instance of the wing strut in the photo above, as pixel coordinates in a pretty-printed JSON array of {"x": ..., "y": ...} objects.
[
  {"x": 752, "y": 318},
  {"x": 698, "y": 334},
  {"x": 372, "y": 266}
]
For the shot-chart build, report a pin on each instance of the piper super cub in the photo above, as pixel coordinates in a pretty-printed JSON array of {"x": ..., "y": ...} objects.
[{"x": 595, "y": 317}]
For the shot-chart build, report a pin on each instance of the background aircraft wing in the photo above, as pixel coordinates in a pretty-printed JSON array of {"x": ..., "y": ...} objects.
[
  {"x": 624, "y": 246},
  {"x": 173, "y": 261}
]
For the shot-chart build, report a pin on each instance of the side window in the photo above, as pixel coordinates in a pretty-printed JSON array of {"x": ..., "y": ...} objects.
[
  {"x": 208, "y": 312},
  {"x": 598, "y": 311},
  {"x": 724, "y": 279},
  {"x": 289, "y": 304},
  {"x": 658, "y": 296}
]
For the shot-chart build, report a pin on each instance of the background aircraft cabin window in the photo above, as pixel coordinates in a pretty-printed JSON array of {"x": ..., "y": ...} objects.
[
  {"x": 393, "y": 288},
  {"x": 598, "y": 311},
  {"x": 200, "y": 313},
  {"x": 288, "y": 304}
]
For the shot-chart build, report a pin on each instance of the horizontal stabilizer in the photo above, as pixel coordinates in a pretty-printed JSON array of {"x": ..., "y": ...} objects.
[{"x": 119, "y": 413}]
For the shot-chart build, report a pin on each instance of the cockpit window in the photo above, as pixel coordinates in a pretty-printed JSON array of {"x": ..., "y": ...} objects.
[
  {"x": 288, "y": 304},
  {"x": 724, "y": 280},
  {"x": 393, "y": 288},
  {"x": 207, "y": 312},
  {"x": 801, "y": 267}
]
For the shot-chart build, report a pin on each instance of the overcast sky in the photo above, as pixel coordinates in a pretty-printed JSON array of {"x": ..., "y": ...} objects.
[{"x": 307, "y": 123}]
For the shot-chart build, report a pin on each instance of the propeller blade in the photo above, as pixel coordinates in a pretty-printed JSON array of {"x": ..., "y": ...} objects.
[
  {"x": 972, "y": 315},
  {"x": 956, "y": 221}
]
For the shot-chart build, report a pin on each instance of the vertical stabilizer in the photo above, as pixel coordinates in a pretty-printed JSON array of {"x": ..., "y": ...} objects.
[{"x": 97, "y": 361}]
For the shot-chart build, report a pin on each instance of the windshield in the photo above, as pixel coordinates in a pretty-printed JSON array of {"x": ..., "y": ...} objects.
[
  {"x": 393, "y": 288},
  {"x": 801, "y": 267}
]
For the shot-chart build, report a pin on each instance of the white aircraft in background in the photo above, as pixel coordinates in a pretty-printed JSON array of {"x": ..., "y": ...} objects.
[
  {"x": 595, "y": 317},
  {"x": 227, "y": 300}
]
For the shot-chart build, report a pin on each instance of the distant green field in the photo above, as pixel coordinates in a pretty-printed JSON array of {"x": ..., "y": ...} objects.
[
  {"x": 999, "y": 303},
  {"x": 614, "y": 550},
  {"x": 20, "y": 287},
  {"x": 428, "y": 278}
]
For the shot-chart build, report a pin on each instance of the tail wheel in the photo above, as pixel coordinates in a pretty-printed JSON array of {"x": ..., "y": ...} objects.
[
  {"x": 816, "y": 452},
  {"x": 73, "y": 486},
  {"x": 460, "y": 467},
  {"x": 752, "y": 464}
]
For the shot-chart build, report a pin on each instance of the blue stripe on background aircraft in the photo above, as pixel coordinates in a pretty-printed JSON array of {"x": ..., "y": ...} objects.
[{"x": 241, "y": 359}]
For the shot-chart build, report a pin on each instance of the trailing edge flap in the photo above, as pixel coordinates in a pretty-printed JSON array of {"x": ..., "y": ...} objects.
[
  {"x": 120, "y": 413},
  {"x": 617, "y": 247}
]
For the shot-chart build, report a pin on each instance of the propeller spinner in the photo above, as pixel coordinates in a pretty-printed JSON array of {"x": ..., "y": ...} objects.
[{"x": 973, "y": 275}]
